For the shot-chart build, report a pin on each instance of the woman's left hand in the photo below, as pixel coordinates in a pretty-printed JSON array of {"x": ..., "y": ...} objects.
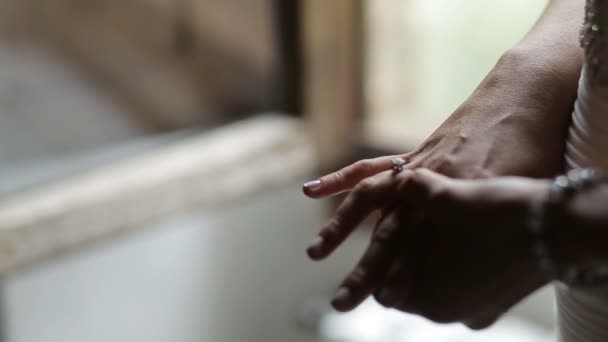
[{"x": 449, "y": 250}]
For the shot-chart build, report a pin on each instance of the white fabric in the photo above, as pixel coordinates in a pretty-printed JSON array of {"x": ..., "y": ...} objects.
[{"x": 583, "y": 315}]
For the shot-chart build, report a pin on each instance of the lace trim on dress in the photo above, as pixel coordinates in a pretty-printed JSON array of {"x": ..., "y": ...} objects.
[{"x": 594, "y": 40}]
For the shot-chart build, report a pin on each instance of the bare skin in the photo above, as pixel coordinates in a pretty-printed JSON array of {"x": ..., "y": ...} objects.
[
  {"x": 449, "y": 250},
  {"x": 514, "y": 124},
  {"x": 456, "y": 250}
]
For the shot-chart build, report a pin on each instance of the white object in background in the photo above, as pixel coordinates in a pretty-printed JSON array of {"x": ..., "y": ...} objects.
[
  {"x": 583, "y": 315},
  {"x": 373, "y": 323}
]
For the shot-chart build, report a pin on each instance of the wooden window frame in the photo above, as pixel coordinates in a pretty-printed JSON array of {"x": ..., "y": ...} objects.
[
  {"x": 206, "y": 171},
  {"x": 324, "y": 72}
]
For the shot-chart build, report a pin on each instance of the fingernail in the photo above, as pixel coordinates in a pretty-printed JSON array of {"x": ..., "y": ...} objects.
[
  {"x": 342, "y": 297},
  {"x": 313, "y": 185},
  {"x": 315, "y": 246}
]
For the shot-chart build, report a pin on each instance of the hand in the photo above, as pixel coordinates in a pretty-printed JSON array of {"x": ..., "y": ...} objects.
[
  {"x": 514, "y": 124},
  {"x": 450, "y": 250}
]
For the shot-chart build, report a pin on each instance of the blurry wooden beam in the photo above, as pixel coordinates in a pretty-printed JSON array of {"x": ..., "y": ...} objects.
[
  {"x": 289, "y": 28},
  {"x": 333, "y": 46},
  {"x": 205, "y": 172},
  {"x": 176, "y": 62}
]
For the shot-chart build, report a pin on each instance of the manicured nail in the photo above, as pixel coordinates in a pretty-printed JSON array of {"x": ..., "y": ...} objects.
[
  {"x": 341, "y": 298},
  {"x": 313, "y": 186},
  {"x": 315, "y": 246}
]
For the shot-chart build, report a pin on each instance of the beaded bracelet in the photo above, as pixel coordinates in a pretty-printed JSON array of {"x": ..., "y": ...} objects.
[{"x": 562, "y": 189}]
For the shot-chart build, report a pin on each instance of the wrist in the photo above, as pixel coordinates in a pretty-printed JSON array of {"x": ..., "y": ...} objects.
[
  {"x": 561, "y": 62},
  {"x": 534, "y": 67},
  {"x": 568, "y": 229},
  {"x": 583, "y": 227}
]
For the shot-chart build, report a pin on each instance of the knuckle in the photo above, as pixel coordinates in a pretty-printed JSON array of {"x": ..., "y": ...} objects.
[
  {"x": 417, "y": 176},
  {"x": 478, "y": 325},
  {"x": 407, "y": 306},
  {"x": 386, "y": 297},
  {"x": 365, "y": 187},
  {"x": 364, "y": 166},
  {"x": 485, "y": 173},
  {"x": 446, "y": 166},
  {"x": 441, "y": 194},
  {"x": 339, "y": 176},
  {"x": 437, "y": 316},
  {"x": 383, "y": 301},
  {"x": 332, "y": 228},
  {"x": 406, "y": 180},
  {"x": 418, "y": 181},
  {"x": 384, "y": 237},
  {"x": 483, "y": 322},
  {"x": 358, "y": 277}
]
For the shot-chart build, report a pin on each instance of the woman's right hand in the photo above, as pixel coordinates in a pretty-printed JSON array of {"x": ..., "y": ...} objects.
[{"x": 515, "y": 123}]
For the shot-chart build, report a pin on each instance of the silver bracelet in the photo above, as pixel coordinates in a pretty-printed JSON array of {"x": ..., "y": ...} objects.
[{"x": 562, "y": 189}]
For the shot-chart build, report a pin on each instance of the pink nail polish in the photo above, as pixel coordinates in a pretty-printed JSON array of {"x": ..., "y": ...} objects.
[{"x": 314, "y": 185}]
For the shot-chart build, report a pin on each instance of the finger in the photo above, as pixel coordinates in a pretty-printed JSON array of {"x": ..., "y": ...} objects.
[
  {"x": 429, "y": 179},
  {"x": 370, "y": 194},
  {"x": 397, "y": 284},
  {"x": 373, "y": 266},
  {"x": 490, "y": 310},
  {"x": 391, "y": 293},
  {"x": 483, "y": 323},
  {"x": 502, "y": 301},
  {"x": 346, "y": 178}
]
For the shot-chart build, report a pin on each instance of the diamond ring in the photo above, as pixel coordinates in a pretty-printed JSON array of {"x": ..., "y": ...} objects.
[{"x": 397, "y": 164}]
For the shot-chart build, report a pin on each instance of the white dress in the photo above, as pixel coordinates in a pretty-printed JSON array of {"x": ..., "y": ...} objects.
[{"x": 583, "y": 314}]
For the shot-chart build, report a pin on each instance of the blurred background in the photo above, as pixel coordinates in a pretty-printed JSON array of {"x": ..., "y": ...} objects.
[{"x": 152, "y": 151}]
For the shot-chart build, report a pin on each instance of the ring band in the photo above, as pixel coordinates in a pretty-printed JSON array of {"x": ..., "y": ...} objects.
[{"x": 397, "y": 164}]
